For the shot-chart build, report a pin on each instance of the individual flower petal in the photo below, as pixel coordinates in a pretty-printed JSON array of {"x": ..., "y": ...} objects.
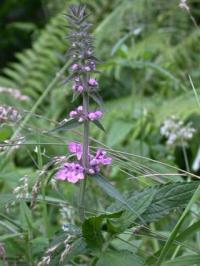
[
  {"x": 61, "y": 174},
  {"x": 92, "y": 82},
  {"x": 87, "y": 68},
  {"x": 76, "y": 148},
  {"x": 95, "y": 115},
  {"x": 80, "y": 88},
  {"x": 75, "y": 67},
  {"x": 80, "y": 108},
  {"x": 102, "y": 158},
  {"x": 99, "y": 114},
  {"x": 92, "y": 116},
  {"x": 73, "y": 114}
]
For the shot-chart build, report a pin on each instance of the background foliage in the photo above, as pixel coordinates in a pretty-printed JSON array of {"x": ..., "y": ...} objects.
[{"x": 150, "y": 52}]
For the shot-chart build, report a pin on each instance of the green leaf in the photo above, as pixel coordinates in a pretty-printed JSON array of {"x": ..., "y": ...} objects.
[
  {"x": 97, "y": 98},
  {"x": 180, "y": 238},
  {"x": 26, "y": 219},
  {"x": 183, "y": 261},
  {"x": 168, "y": 197},
  {"x": 139, "y": 202},
  {"x": 99, "y": 125},
  {"x": 118, "y": 132},
  {"x": 77, "y": 248},
  {"x": 114, "y": 193},
  {"x": 39, "y": 244},
  {"x": 75, "y": 96},
  {"x": 195, "y": 227},
  {"x": 9, "y": 236},
  {"x": 119, "y": 258},
  {"x": 177, "y": 227},
  {"x": 92, "y": 230},
  {"x": 6, "y": 199},
  {"x": 70, "y": 124}
]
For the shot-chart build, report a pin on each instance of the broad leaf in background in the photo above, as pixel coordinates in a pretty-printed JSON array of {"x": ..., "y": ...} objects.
[
  {"x": 167, "y": 198},
  {"x": 189, "y": 260},
  {"x": 139, "y": 202},
  {"x": 119, "y": 258},
  {"x": 118, "y": 131},
  {"x": 115, "y": 194}
]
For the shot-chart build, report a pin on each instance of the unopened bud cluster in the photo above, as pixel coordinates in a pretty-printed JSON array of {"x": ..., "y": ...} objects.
[
  {"x": 81, "y": 116},
  {"x": 81, "y": 51}
]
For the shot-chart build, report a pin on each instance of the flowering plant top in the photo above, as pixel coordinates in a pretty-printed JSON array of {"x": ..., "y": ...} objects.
[{"x": 84, "y": 84}]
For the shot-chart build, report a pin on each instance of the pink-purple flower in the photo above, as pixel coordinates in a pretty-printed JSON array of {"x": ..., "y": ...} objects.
[
  {"x": 80, "y": 116},
  {"x": 87, "y": 68},
  {"x": 92, "y": 82},
  {"x": 77, "y": 86},
  {"x": 76, "y": 149},
  {"x": 73, "y": 172},
  {"x": 95, "y": 115},
  {"x": 75, "y": 67}
]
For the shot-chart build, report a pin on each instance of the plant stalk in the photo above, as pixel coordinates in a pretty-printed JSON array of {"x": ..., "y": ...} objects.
[{"x": 85, "y": 154}]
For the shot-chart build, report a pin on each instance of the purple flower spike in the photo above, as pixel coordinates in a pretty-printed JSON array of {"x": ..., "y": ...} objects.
[{"x": 82, "y": 68}]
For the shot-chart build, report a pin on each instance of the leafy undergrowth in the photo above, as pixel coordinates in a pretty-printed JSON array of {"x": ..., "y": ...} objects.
[{"x": 142, "y": 210}]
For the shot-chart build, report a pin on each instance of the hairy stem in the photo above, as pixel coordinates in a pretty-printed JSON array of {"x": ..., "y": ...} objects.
[{"x": 85, "y": 154}]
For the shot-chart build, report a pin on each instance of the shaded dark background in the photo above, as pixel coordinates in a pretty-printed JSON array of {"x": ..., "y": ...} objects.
[{"x": 19, "y": 22}]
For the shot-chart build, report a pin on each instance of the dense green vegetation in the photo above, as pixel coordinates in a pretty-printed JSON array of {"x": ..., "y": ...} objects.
[{"x": 146, "y": 209}]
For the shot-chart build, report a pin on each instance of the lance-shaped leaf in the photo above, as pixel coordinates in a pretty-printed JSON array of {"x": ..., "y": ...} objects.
[
  {"x": 99, "y": 125},
  {"x": 69, "y": 124},
  {"x": 97, "y": 98}
]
